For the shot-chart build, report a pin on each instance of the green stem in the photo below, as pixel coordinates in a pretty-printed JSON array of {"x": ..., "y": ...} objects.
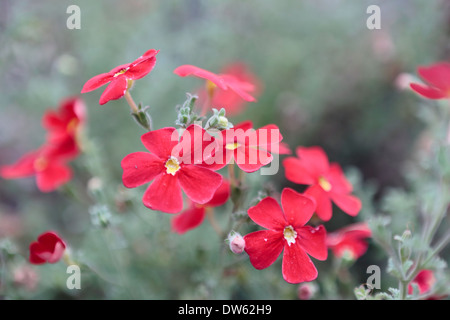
[{"x": 131, "y": 102}]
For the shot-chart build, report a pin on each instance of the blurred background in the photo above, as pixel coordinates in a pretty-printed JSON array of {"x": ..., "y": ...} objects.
[{"x": 327, "y": 80}]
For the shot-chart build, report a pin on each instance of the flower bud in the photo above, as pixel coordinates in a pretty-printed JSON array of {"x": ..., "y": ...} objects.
[
  {"x": 237, "y": 242},
  {"x": 306, "y": 291}
]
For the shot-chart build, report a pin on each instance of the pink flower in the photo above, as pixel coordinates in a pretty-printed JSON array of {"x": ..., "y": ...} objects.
[
  {"x": 326, "y": 181},
  {"x": 49, "y": 248},
  {"x": 195, "y": 214},
  {"x": 286, "y": 232},
  {"x": 425, "y": 280},
  {"x": 223, "y": 81},
  {"x": 173, "y": 166},
  {"x": 121, "y": 77},
  {"x": 437, "y": 78},
  {"x": 350, "y": 241}
]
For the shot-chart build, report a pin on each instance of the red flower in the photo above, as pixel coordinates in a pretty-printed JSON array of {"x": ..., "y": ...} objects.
[
  {"x": 45, "y": 163},
  {"x": 65, "y": 124},
  {"x": 425, "y": 280},
  {"x": 437, "y": 78},
  {"x": 224, "y": 81},
  {"x": 350, "y": 241},
  {"x": 121, "y": 77},
  {"x": 251, "y": 149},
  {"x": 229, "y": 99},
  {"x": 173, "y": 166},
  {"x": 327, "y": 181},
  {"x": 286, "y": 231},
  {"x": 49, "y": 247},
  {"x": 195, "y": 214}
]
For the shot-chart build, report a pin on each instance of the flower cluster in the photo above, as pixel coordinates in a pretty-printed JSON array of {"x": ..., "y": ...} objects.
[{"x": 49, "y": 163}]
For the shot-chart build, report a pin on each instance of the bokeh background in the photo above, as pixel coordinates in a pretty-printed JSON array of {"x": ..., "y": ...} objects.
[{"x": 327, "y": 80}]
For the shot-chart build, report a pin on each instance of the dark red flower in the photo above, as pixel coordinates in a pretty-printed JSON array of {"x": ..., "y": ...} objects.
[
  {"x": 225, "y": 82},
  {"x": 121, "y": 77},
  {"x": 49, "y": 248},
  {"x": 232, "y": 102},
  {"x": 286, "y": 232},
  {"x": 437, "y": 78},
  {"x": 195, "y": 214},
  {"x": 350, "y": 241},
  {"x": 173, "y": 166},
  {"x": 46, "y": 164},
  {"x": 64, "y": 126},
  {"x": 250, "y": 149},
  {"x": 326, "y": 181}
]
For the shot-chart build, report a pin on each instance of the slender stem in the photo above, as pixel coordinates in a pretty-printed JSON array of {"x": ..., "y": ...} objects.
[
  {"x": 231, "y": 174},
  {"x": 131, "y": 102}
]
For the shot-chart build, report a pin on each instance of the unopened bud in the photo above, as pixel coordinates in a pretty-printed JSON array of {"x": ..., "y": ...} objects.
[
  {"x": 237, "y": 242},
  {"x": 306, "y": 291}
]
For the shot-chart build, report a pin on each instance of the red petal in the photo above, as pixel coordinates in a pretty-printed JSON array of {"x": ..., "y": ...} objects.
[
  {"x": 221, "y": 195},
  {"x": 188, "y": 219},
  {"x": 97, "y": 81},
  {"x": 314, "y": 159},
  {"x": 296, "y": 172},
  {"x": 251, "y": 159},
  {"x": 337, "y": 179},
  {"x": 313, "y": 241},
  {"x": 35, "y": 251},
  {"x": 55, "y": 175},
  {"x": 263, "y": 247},
  {"x": 199, "y": 183},
  {"x": 24, "y": 167},
  {"x": 429, "y": 92},
  {"x": 241, "y": 88},
  {"x": 297, "y": 208},
  {"x": 268, "y": 214},
  {"x": 324, "y": 207},
  {"x": 49, "y": 239},
  {"x": 139, "y": 168},
  {"x": 438, "y": 75},
  {"x": 197, "y": 146},
  {"x": 142, "y": 66},
  {"x": 348, "y": 203},
  {"x": 190, "y": 70},
  {"x": 164, "y": 194},
  {"x": 297, "y": 266},
  {"x": 161, "y": 142},
  {"x": 115, "y": 90}
]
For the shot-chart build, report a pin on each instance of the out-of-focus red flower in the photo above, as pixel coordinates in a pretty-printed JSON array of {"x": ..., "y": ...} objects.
[
  {"x": 232, "y": 102},
  {"x": 50, "y": 169},
  {"x": 425, "y": 280},
  {"x": 350, "y": 241},
  {"x": 120, "y": 78},
  {"x": 288, "y": 232},
  {"x": 224, "y": 82},
  {"x": 173, "y": 166},
  {"x": 249, "y": 148},
  {"x": 64, "y": 125},
  {"x": 195, "y": 214},
  {"x": 326, "y": 181},
  {"x": 49, "y": 248},
  {"x": 437, "y": 78}
]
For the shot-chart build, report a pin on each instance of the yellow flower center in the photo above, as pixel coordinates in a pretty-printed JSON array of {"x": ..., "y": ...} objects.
[
  {"x": 40, "y": 164},
  {"x": 210, "y": 88},
  {"x": 290, "y": 235},
  {"x": 71, "y": 127},
  {"x": 120, "y": 72},
  {"x": 232, "y": 146},
  {"x": 172, "y": 165},
  {"x": 324, "y": 184}
]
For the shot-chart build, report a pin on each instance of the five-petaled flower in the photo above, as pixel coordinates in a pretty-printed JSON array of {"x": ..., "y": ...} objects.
[
  {"x": 195, "y": 214},
  {"x": 287, "y": 230},
  {"x": 250, "y": 149},
  {"x": 327, "y": 182},
  {"x": 49, "y": 248},
  {"x": 242, "y": 88},
  {"x": 121, "y": 77},
  {"x": 349, "y": 242},
  {"x": 49, "y": 162},
  {"x": 174, "y": 165},
  {"x": 437, "y": 78}
]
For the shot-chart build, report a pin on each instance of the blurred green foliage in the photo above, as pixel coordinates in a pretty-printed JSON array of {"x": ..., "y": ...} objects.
[{"x": 328, "y": 80}]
